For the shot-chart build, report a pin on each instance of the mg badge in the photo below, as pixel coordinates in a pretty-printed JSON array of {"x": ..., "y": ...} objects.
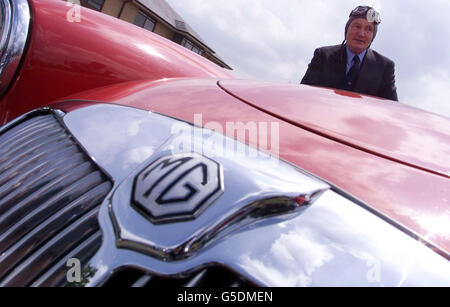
[{"x": 177, "y": 187}]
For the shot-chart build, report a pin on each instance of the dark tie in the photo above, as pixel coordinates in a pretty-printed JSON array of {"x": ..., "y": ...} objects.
[{"x": 353, "y": 72}]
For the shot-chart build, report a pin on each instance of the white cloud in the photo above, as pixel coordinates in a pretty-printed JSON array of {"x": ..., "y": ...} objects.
[
  {"x": 431, "y": 91},
  {"x": 275, "y": 40}
]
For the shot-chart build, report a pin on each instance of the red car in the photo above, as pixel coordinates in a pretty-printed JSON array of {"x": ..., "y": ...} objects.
[{"x": 126, "y": 159}]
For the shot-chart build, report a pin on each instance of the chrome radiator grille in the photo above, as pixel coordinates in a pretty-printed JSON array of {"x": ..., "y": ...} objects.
[{"x": 50, "y": 194}]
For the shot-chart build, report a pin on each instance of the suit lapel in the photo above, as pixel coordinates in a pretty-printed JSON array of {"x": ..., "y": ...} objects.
[
  {"x": 367, "y": 80},
  {"x": 340, "y": 59}
]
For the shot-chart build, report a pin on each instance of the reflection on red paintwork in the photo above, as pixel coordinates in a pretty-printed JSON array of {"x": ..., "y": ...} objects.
[
  {"x": 64, "y": 58},
  {"x": 381, "y": 127}
]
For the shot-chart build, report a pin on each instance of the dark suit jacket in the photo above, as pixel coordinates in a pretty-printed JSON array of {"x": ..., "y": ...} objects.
[{"x": 376, "y": 76}]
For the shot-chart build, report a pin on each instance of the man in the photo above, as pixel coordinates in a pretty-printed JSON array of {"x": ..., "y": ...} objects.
[{"x": 353, "y": 65}]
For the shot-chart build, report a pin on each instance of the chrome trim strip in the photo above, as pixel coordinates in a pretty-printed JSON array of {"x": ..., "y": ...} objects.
[
  {"x": 17, "y": 24},
  {"x": 333, "y": 242},
  {"x": 6, "y": 22}
]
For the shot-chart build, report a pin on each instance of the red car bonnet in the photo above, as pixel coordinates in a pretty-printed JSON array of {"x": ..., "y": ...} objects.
[{"x": 388, "y": 129}]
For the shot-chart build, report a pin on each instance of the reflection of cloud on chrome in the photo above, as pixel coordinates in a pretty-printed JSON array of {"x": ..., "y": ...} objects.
[
  {"x": 216, "y": 140},
  {"x": 135, "y": 156},
  {"x": 134, "y": 127},
  {"x": 74, "y": 13},
  {"x": 292, "y": 260},
  {"x": 373, "y": 264}
]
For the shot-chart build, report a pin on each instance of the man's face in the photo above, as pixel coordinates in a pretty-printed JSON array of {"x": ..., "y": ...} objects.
[{"x": 359, "y": 35}]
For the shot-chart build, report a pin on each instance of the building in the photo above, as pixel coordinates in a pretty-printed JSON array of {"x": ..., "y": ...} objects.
[{"x": 159, "y": 17}]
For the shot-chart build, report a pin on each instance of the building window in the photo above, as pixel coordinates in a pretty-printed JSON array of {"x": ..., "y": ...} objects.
[
  {"x": 183, "y": 41},
  {"x": 144, "y": 21},
  {"x": 93, "y": 4},
  {"x": 191, "y": 46}
]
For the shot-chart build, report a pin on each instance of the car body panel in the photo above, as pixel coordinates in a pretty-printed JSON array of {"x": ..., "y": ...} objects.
[
  {"x": 392, "y": 130},
  {"x": 65, "y": 57},
  {"x": 415, "y": 198}
]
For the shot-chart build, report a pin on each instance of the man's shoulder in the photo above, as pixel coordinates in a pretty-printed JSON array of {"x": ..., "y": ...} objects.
[
  {"x": 378, "y": 57},
  {"x": 330, "y": 49}
]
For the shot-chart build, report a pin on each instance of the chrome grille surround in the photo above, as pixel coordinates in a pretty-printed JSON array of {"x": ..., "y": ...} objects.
[{"x": 50, "y": 194}]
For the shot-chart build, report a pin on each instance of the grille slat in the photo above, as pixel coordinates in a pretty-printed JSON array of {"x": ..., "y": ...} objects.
[
  {"x": 9, "y": 135},
  {"x": 142, "y": 282},
  {"x": 56, "y": 276},
  {"x": 34, "y": 126},
  {"x": 29, "y": 138},
  {"x": 27, "y": 154},
  {"x": 46, "y": 190},
  {"x": 54, "y": 202},
  {"x": 32, "y": 157},
  {"x": 54, "y": 152},
  {"x": 50, "y": 195},
  {"x": 31, "y": 124},
  {"x": 36, "y": 178},
  {"x": 46, "y": 226},
  {"x": 27, "y": 146},
  {"x": 55, "y": 249},
  {"x": 196, "y": 280}
]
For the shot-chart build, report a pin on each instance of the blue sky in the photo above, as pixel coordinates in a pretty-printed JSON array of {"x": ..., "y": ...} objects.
[{"x": 275, "y": 40}]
